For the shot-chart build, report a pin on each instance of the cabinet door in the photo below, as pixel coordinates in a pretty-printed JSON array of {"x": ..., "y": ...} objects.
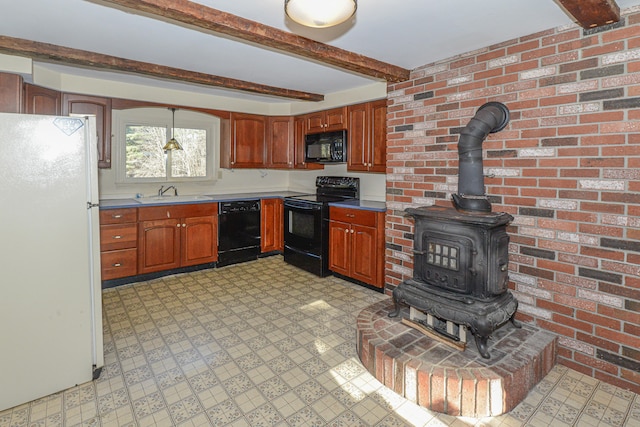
[
  {"x": 248, "y": 148},
  {"x": 358, "y": 137},
  {"x": 41, "y": 100},
  {"x": 363, "y": 254},
  {"x": 271, "y": 225},
  {"x": 315, "y": 122},
  {"x": 336, "y": 119},
  {"x": 378, "y": 136},
  {"x": 299, "y": 133},
  {"x": 101, "y": 108},
  {"x": 280, "y": 142},
  {"x": 199, "y": 240},
  {"x": 339, "y": 248},
  {"x": 158, "y": 245},
  {"x": 10, "y": 93}
]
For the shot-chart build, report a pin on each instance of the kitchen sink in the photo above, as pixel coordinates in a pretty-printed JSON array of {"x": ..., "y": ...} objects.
[{"x": 172, "y": 199}]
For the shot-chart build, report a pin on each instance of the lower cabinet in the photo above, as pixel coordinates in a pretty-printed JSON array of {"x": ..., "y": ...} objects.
[
  {"x": 118, "y": 243},
  {"x": 271, "y": 225},
  {"x": 356, "y": 244},
  {"x": 177, "y": 236}
]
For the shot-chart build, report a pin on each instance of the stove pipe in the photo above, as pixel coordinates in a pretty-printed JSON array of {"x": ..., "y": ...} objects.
[{"x": 490, "y": 118}]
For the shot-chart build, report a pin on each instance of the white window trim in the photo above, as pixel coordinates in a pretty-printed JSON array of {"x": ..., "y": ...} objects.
[{"x": 162, "y": 117}]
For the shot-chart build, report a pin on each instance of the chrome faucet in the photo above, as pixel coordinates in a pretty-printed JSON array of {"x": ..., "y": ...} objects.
[{"x": 163, "y": 190}]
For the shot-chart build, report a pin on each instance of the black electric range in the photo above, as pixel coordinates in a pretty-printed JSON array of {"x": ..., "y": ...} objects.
[{"x": 306, "y": 222}]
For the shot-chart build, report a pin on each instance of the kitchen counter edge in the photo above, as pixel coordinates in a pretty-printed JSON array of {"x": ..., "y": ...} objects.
[
  {"x": 215, "y": 198},
  {"x": 368, "y": 205}
]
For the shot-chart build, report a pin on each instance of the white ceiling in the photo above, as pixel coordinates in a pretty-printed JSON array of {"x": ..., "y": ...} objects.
[{"x": 407, "y": 33}]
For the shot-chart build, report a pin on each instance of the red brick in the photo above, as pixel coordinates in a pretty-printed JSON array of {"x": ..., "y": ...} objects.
[
  {"x": 573, "y": 323},
  {"x": 578, "y": 303},
  {"x": 603, "y": 50},
  {"x": 598, "y": 365},
  {"x": 598, "y": 342},
  {"x": 622, "y": 338}
]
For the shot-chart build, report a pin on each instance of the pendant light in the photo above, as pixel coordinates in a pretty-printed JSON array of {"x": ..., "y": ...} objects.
[
  {"x": 172, "y": 144},
  {"x": 320, "y": 13}
]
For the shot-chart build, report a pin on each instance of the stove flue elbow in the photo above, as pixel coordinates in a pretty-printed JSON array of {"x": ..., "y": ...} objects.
[{"x": 492, "y": 117}]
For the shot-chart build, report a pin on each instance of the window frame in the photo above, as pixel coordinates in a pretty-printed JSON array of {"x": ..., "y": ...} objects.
[{"x": 161, "y": 117}]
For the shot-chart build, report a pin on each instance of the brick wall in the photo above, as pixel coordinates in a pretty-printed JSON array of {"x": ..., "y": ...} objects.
[{"x": 567, "y": 167}]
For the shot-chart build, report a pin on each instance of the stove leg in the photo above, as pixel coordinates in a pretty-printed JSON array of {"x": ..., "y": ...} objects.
[
  {"x": 397, "y": 296},
  {"x": 514, "y": 322},
  {"x": 481, "y": 343}
]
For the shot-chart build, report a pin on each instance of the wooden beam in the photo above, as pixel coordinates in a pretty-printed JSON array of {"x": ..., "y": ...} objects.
[
  {"x": 205, "y": 18},
  {"x": 46, "y": 52},
  {"x": 592, "y": 13}
]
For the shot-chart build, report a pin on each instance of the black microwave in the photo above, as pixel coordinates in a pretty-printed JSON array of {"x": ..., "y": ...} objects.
[{"x": 326, "y": 147}]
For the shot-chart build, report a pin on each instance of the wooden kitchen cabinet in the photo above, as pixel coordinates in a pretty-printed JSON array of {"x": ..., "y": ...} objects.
[
  {"x": 42, "y": 100},
  {"x": 367, "y": 136},
  {"x": 10, "y": 93},
  {"x": 299, "y": 132},
  {"x": 246, "y": 147},
  {"x": 280, "y": 142},
  {"x": 73, "y": 104},
  {"x": 177, "y": 236},
  {"x": 356, "y": 244},
  {"x": 327, "y": 120},
  {"x": 118, "y": 243},
  {"x": 271, "y": 225}
]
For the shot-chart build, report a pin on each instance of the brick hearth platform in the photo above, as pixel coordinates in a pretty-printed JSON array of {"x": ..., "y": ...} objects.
[{"x": 446, "y": 380}]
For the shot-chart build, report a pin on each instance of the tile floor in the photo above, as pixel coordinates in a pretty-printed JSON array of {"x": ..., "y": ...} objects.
[{"x": 265, "y": 344}]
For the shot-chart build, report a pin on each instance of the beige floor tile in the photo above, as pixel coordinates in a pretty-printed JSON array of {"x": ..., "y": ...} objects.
[{"x": 263, "y": 343}]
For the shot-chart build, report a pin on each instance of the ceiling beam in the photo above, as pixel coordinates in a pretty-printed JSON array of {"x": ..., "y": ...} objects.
[
  {"x": 205, "y": 18},
  {"x": 46, "y": 52},
  {"x": 592, "y": 13}
]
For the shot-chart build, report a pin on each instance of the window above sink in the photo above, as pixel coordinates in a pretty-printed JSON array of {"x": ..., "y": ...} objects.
[{"x": 141, "y": 133}]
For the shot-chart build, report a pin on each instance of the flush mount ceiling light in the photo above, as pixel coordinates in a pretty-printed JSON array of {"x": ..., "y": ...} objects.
[
  {"x": 172, "y": 144},
  {"x": 320, "y": 13}
]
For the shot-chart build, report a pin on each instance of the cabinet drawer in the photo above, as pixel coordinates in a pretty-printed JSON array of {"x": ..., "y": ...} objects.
[
  {"x": 118, "y": 216},
  {"x": 116, "y": 264},
  {"x": 355, "y": 216},
  {"x": 152, "y": 213},
  {"x": 118, "y": 236}
]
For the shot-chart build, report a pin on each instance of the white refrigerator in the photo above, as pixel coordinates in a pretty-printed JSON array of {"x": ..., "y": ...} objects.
[{"x": 50, "y": 290}]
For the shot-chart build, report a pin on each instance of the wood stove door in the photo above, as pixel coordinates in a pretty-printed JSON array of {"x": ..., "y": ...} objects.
[
  {"x": 444, "y": 261},
  {"x": 498, "y": 264}
]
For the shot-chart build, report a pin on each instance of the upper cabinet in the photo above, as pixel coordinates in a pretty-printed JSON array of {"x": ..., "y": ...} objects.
[
  {"x": 280, "y": 142},
  {"x": 41, "y": 100},
  {"x": 367, "y": 134},
  {"x": 73, "y": 104},
  {"x": 299, "y": 132},
  {"x": 246, "y": 147},
  {"x": 327, "y": 120},
  {"x": 10, "y": 93}
]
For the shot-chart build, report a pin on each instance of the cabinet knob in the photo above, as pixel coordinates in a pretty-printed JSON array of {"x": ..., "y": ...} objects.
[
  {"x": 117, "y": 264},
  {"x": 178, "y": 225},
  {"x": 352, "y": 231},
  {"x": 117, "y": 237},
  {"x": 116, "y": 216},
  {"x": 184, "y": 225}
]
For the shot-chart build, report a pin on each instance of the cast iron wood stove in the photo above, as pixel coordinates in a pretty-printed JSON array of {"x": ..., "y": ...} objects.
[{"x": 461, "y": 254}]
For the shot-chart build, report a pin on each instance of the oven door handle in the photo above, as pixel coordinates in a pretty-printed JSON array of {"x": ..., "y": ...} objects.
[{"x": 301, "y": 207}]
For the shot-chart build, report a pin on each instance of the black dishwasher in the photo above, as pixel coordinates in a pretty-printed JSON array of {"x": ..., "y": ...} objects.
[{"x": 238, "y": 231}]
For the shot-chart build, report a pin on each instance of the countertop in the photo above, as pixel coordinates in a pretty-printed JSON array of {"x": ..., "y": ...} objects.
[
  {"x": 214, "y": 198},
  {"x": 169, "y": 200},
  {"x": 368, "y": 205}
]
